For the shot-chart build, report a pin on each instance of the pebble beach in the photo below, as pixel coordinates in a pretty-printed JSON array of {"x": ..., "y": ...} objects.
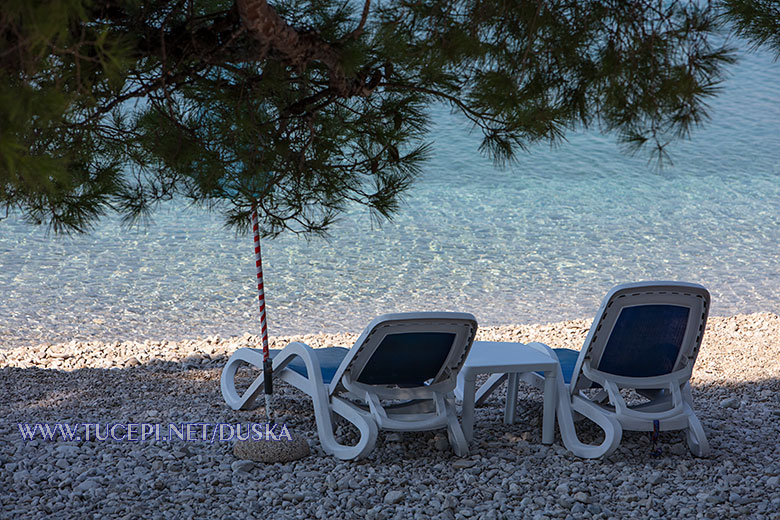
[{"x": 509, "y": 473}]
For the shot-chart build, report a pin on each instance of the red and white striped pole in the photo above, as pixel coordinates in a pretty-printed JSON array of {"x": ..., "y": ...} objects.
[{"x": 267, "y": 363}]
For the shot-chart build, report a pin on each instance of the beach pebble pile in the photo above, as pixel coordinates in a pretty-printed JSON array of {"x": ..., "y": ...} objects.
[{"x": 509, "y": 473}]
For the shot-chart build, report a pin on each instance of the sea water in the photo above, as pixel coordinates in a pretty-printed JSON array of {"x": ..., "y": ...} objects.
[{"x": 540, "y": 241}]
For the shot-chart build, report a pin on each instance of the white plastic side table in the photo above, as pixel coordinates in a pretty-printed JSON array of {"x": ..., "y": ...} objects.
[{"x": 506, "y": 361}]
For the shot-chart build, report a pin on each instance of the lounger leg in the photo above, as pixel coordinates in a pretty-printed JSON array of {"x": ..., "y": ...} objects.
[
  {"x": 369, "y": 432},
  {"x": 697, "y": 440},
  {"x": 694, "y": 434},
  {"x": 446, "y": 405},
  {"x": 511, "y": 398},
  {"x": 325, "y": 405},
  {"x": 313, "y": 386},
  {"x": 613, "y": 432},
  {"x": 228, "y": 380}
]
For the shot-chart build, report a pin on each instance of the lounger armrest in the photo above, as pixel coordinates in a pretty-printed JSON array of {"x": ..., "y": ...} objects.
[
  {"x": 254, "y": 357},
  {"x": 248, "y": 356},
  {"x": 310, "y": 384},
  {"x": 612, "y": 384},
  {"x": 544, "y": 348},
  {"x": 678, "y": 377},
  {"x": 536, "y": 379}
]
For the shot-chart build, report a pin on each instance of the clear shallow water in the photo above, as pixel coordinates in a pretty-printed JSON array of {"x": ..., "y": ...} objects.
[{"x": 542, "y": 241}]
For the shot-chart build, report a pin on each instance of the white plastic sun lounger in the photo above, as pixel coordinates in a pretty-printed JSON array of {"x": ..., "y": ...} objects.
[
  {"x": 646, "y": 337},
  {"x": 409, "y": 357}
]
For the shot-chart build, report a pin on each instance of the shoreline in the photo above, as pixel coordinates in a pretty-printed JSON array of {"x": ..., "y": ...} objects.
[
  {"x": 33, "y": 335},
  {"x": 509, "y": 473},
  {"x": 762, "y": 328}
]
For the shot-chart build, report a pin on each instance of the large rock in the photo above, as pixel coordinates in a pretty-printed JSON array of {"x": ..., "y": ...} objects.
[{"x": 270, "y": 451}]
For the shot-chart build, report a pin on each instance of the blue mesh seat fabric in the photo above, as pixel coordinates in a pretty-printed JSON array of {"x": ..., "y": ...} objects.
[
  {"x": 645, "y": 341},
  {"x": 567, "y": 358},
  {"x": 330, "y": 359},
  {"x": 390, "y": 363}
]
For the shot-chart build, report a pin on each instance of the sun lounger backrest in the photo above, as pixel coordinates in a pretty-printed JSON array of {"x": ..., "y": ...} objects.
[
  {"x": 645, "y": 330},
  {"x": 646, "y": 341},
  {"x": 390, "y": 362},
  {"x": 409, "y": 350}
]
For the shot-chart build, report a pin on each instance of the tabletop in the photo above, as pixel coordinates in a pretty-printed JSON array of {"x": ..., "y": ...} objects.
[{"x": 498, "y": 356}]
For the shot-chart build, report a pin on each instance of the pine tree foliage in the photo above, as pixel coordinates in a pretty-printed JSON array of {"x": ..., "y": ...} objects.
[
  {"x": 302, "y": 107},
  {"x": 755, "y": 20}
]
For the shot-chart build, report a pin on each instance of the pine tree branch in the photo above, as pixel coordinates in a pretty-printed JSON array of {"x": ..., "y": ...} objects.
[
  {"x": 298, "y": 49},
  {"x": 478, "y": 118},
  {"x": 354, "y": 35}
]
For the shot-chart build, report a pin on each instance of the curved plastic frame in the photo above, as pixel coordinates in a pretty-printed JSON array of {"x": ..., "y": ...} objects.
[
  {"x": 432, "y": 407},
  {"x": 671, "y": 401}
]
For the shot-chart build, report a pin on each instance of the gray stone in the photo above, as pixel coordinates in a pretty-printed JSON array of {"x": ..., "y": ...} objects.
[
  {"x": 242, "y": 465},
  {"x": 58, "y": 352},
  {"x": 565, "y": 502},
  {"x": 90, "y": 483},
  {"x": 394, "y": 497},
  {"x": 464, "y": 463},
  {"x": 271, "y": 451},
  {"x": 67, "y": 450},
  {"x": 594, "y": 509},
  {"x": 581, "y": 496},
  {"x": 678, "y": 449},
  {"x": 441, "y": 443},
  {"x": 656, "y": 478},
  {"x": 773, "y": 481},
  {"x": 731, "y": 402},
  {"x": 132, "y": 362},
  {"x": 21, "y": 476}
]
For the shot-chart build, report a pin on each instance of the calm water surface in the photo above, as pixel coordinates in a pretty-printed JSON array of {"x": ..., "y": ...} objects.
[{"x": 542, "y": 241}]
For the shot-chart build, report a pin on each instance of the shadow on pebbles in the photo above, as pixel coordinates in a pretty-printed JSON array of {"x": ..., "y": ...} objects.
[{"x": 509, "y": 473}]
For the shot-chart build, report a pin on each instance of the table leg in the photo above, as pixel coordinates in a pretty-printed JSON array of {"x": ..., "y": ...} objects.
[
  {"x": 511, "y": 398},
  {"x": 550, "y": 397},
  {"x": 467, "y": 416},
  {"x": 459, "y": 387}
]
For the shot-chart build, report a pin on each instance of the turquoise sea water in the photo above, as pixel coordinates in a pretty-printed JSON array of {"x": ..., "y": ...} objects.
[{"x": 539, "y": 242}]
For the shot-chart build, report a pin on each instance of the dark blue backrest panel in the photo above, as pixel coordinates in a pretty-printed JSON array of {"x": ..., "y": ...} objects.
[
  {"x": 407, "y": 359},
  {"x": 645, "y": 341}
]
